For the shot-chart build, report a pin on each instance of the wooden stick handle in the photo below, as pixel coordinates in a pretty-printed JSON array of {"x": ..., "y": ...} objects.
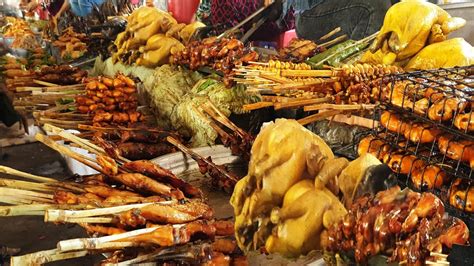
[{"x": 317, "y": 117}]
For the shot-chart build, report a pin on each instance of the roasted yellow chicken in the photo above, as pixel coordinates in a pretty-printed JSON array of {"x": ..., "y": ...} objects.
[
  {"x": 288, "y": 196},
  {"x": 408, "y": 27},
  {"x": 449, "y": 53}
]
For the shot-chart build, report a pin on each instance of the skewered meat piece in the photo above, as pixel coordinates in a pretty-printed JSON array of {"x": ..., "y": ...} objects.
[
  {"x": 415, "y": 132},
  {"x": 422, "y": 175},
  {"x": 145, "y": 136},
  {"x": 461, "y": 195},
  {"x": 64, "y": 197},
  {"x": 143, "y": 183},
  {"x": 457, "y": 149},
  {"x": 138, "y": 151},
  {"x": 105, "y": 192},
  {"x": 465, "y": 121},
  {"x": 174, "y": 213},
  {"x": 102, "y": 230},
  {"x": 219, "y": 174},
  {"x": 163, "y": 175}
]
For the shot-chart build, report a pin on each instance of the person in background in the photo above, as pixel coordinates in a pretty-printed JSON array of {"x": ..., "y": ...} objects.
[
  {"x": 311, "y": 18},
  {"x": 357, "y": 18},
  {"x": 80, "y": 8}
]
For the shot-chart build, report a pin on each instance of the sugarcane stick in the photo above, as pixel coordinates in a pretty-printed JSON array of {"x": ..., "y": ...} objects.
[
  {"x": 329, "y": 34},
  {"x": 44, "y": 256},
  {"x": 17, "y": 200},
  {"x": 27, "y": 209},
  {"x": 21, "y": 192},
  {"x": 57, "y": 215},
  {"x": 95, "y": 243},
  {"x": 91, "y": 220},
  {"x": 63, "y": 150},
  {"x": 14, "y": 172},
  {"x": 317, "y": 117},
  {"x": 25, "y": 185},
  {"x": 300, "y": 103}
]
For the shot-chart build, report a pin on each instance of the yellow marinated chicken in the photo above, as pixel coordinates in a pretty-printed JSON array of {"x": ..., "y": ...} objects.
[
  {"x": 449, "y": 53},
  {"x": 283, "y": 154},
  {"x": 288, "y": 196},
  {"x": 408, "y": 27}
]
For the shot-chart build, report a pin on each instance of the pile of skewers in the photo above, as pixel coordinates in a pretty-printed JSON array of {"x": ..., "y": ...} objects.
[
  {"x": 101, "y": 101},
  {"x": 219, "y": 54},
  {"x": 338, "y": 90},
  {"x": 110, "y": 101},
  {"x": 135, "y": 209},
  {"x": 411, "y": 228}
]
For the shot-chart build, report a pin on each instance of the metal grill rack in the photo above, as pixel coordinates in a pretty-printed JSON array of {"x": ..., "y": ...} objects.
[{"x": 441, "y": 99}]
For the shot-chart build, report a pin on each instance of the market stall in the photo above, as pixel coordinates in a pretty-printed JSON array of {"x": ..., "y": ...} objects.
[{"x": 193, "y": 149}]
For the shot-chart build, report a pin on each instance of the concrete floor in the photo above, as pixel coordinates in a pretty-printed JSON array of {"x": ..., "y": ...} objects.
[{"x": 30, "y": 233}]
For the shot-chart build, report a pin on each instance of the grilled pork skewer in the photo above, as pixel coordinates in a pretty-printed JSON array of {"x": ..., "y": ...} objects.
[{"x": 218, "y": 173}]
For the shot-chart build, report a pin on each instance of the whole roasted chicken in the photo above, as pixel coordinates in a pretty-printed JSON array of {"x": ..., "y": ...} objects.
[
  {"x": 408, "y": 27},
  {"x": 288, "y": 196}
]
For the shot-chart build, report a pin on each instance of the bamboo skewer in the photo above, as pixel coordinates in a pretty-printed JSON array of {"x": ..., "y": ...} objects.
[
  {"x": 216, "y": 114},
  {"x": 44, "y": 83},
  {"x": 97, "y": 243},
  {"x": 63, "y": 150},
  {"x": 14, "y": 172},
  {"x": 57, "y": 215},
  {"x": 329, "y": 34},
  {"x": 25, "y": 185},
  {"x": 300, "y": 103},
  {"x": 35, "y": 209},
  {"x": 255, "y": 106},
  {"x": 333, "y": 41},
  {"x": 45, "y": 256},
  {"x": 318, "y": 116},
  {"x": 345, "y": 107}
]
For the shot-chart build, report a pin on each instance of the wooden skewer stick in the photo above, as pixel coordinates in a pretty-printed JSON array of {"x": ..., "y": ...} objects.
[
  {"x": 306, "y": 73},
  {"x": 26, "y": 193},
  {"x": 331, "y": 33},
  {"x": 300, "y": 103},
  {"x": 255, "y": 106},
  {"x": 345, "y": 107},
  {"x": 333, "y": 41},
  {"x": 45, "y": 256},
  {"x": 63, "y": 150},
  {"x": 18, "y": 200},
  {"x": 318, "y": 116},
  {"x": 439, "y": 255},
  {"x": 215, "y": 113},
  {"x": 92, "y": 220},
  {"x": 44, "y": 83},
  {"x": 14, "y": 172}
]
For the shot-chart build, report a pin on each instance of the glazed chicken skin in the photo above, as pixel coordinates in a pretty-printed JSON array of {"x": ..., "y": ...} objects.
[
  {"x": 283, "y": 154},
  {"x": 401, "y": 37},
  {"x": 404, "y": 225}
]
